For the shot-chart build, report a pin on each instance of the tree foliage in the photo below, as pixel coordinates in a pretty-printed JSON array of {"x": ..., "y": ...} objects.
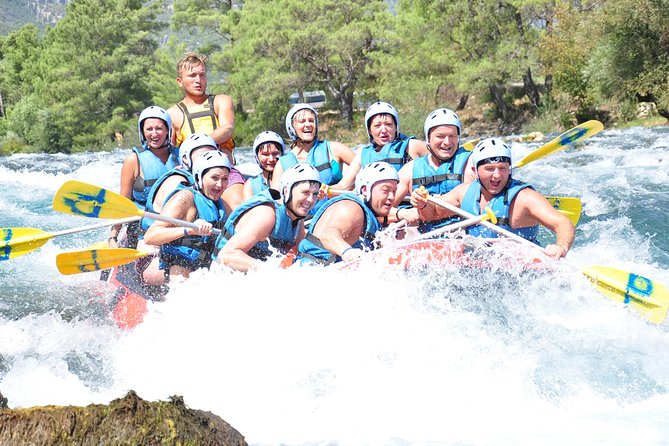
[
  {"x": 633, "y": 53},
  {"x": 81, "y": 84},
  {"x": 292, "y": 46}
]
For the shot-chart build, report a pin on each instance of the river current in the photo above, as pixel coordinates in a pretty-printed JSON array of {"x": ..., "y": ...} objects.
[{"x": 495, "y": 356}]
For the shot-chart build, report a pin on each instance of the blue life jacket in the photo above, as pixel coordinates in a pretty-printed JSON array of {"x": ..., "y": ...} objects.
[
  {"x": 394, "y": 153},
  {"x": 319, "y": 157},
  {"x": 179, "y": 170},
  {"x": 442, "y": 180},
  {"x": 152, "y": 168},
  {"x": 258, "y": 184},
  {"x": 311, "y": 248},
  {"x": 283, "y": 236},
  {"x": 194, "y": 251},
  {"x": 500, "y": 204},
  {"x": 439, "y": 181}
]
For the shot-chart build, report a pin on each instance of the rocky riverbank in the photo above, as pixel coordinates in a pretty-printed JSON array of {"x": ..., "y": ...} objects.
[{"x": 125, "y": 421}]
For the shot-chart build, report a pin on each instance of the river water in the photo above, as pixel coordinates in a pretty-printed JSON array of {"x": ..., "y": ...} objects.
[{"x": 370, "y": 356}]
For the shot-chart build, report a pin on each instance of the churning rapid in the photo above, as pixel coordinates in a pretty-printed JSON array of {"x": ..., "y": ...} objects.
[{"x": 502, "y": 355}]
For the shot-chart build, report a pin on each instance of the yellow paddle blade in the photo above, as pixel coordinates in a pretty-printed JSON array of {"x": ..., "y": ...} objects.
[
  {"x": 76, "y": 262},
  {"x": 578, "y": 133},
  {"x": 650, "y": 298},
  {"x": 571, "y": 207},
  {"x": 469, "y": 145},
  {"x": 98, "y": 245},
  {"x": 16, "y": 242},
  {"x": 75, "y": 197}
]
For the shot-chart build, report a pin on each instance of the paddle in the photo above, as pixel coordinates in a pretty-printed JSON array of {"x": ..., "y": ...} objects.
[
  {"x": 576, "y": 134},
  {"x": 16, "y": 242},
  {"x": 75, "y": 197},
  {"x": 75, "y": 262},
  {"x": 650, "y": 298},
  {"x": 475, "y": 219},
  {"x": 569, "y": 206}
]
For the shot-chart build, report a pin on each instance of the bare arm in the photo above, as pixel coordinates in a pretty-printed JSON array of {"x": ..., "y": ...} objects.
[
  {"x": 417, "y": 148},
  {"x": 469, "y": 174},
  {"x": 276, "y": 176},
  {"x": 177, "y": 121},
  {"x": 181, "y": 206},
  {"x": 404, "y": 186},
  {"x": 224, "y": 110},
  {"x": 254, "y": 226},
  {"x": 535, "y": 208},
  {"x": 348, "y": 181},
  {"x": 340, "y": 226},
  {"x": 129, "y": 172},
  {"x": 247, "y": 192},
  {"x": 429, "y": 211},
  {"x": 342, "y": 153}
]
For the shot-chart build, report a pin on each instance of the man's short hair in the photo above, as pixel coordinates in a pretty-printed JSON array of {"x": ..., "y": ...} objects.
[{"x": 189, "y": 60}]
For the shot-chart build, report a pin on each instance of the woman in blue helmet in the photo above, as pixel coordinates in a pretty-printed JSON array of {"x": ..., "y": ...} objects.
[
  {"x": 328, "y": 157},
  {"x": 518, "y": 207},
  {"x": 184, "y": 250},
  {"x": 346, "y": 225},
  {"x": 144, "y": 165},
  {"x": 260, "y": 226},
  {"x": 386, "y": 143}
]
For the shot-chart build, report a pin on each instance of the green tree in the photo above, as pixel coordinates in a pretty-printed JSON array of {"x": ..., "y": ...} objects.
[
  {"x": 279, "y": 47},
  {"x": 19, "y": 52},
  {"x": 480, "y": 46},
  {"x": 95, "y": 66},
  {"x": 632, "y": 57}
]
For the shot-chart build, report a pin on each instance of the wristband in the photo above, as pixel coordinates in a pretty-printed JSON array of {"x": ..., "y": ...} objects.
[
  {"x": 344, "y": 251},
  {"x": 185, "y": 232},
  {"x": 397, "y": 214}
]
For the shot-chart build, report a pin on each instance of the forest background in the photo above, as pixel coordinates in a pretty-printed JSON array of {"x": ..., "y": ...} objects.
[{"x": 506, "y": 66}]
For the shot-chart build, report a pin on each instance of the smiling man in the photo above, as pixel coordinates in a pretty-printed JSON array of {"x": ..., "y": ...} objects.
[
  {"x": 260, "y": 224},
  {"x": 444, "y": 167},
  {"x": 518, "y": 207},
  {"x": 347, "y": 224}
]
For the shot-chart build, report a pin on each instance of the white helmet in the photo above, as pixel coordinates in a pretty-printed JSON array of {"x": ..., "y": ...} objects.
[
  {"x": 441, "y": 116},
  {"x": 379, "y": 108},
  {"x": 206, "y": 162},
  {"x": 296, "y": 174},
  {"x": 194, "y": 141},
  {"x": 493, "y": 149},
  {"x": 371, "y": 174},
  {"x": 265, "y": 137},
  {"x": 153, "y": 111},
  {"x": 291, "y": 114}
]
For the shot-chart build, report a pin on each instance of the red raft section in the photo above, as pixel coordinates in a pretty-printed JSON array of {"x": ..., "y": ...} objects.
[
  {"x": 130, "y": 296},
  {"x": 456, "y": 253}
]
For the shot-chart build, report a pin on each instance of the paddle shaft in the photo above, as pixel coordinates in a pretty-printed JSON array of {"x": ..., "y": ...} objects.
[
  {"x": 476, "y": 219},
  {"x": 95, "y": 226},
  {"x": 177, "y": 222},
  {"x": 485, "y": 223}
]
